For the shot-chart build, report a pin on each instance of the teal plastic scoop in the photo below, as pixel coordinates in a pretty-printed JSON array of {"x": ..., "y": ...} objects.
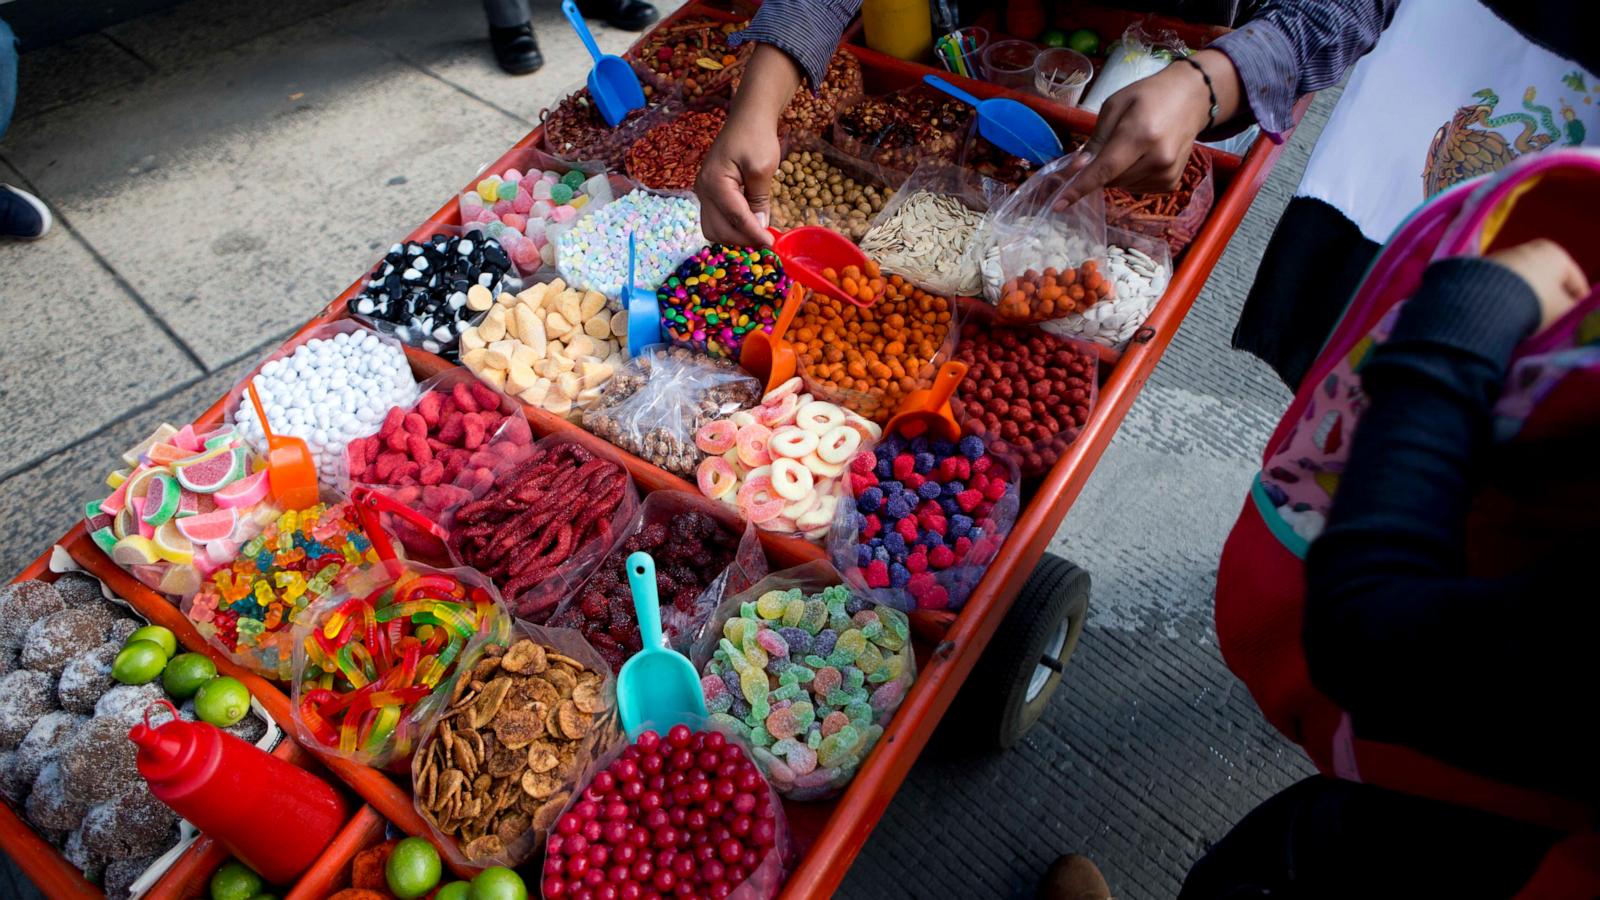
[
  {"x": 644, "y": 309},
  {"x": 658, "y": 686},
  {"x": 1008, "y": 124}
]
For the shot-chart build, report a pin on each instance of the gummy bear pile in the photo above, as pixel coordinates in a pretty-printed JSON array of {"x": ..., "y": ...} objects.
[
  {"x": 249, "y": 607},
  {"x": 520, "y": 208},
  {"x": 181, "y": 508},
  {"x": 811, "y": 681},
  {"x": 925, "y": 511}
]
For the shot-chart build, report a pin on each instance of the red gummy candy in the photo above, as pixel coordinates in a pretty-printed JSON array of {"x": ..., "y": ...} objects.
[
  {"x": 995, "y": 490},
  {"x": 932, "y": 520},
  {"x": 432, "y": 473},
  {"x": 391, "y": 422},
  {"x": 419, "y": 450},
  {"x": 487, "y": 399},
  {"x": 406, "y": 472},
  {"x": 871, "y": 527},
  {"x": 475, "y": 432},
  {"x": 517, "y": 430},
  {"x": 861, "y": 481},
  {"x": 396, "y": 440},
  {"x": 907, "y": 528},
  {"x": 912, "y": 482},
  {"x": 941, "y": 557},
  {"x": 863, "y": 463},
  {"x": 357, "y": 453},
  {"x": 935, "y": 598},
  {"x": 428, "y": 407},
  {"x": 904, "y": 464},
  {"x": 982, "y": 464},
  {"x": 920, "y": 585},
  {"x": 963, "y": 546},
  {"x": 877, "y": 574},
  {"x": 451, "y": 429},
  {"x": 415, "y": 424},
  {"x": 969, "y": 499},
  {"x": 917, "y": 561},
  {"x": 383, "y": 470},
  {"x": 465, "y": 401}
]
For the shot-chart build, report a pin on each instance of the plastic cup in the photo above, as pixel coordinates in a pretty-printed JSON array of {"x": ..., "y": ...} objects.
[
  {"x": 975, "y": 36},
  {"x": 1010, "y": 63},
  {"x": 1062, "y": 74}
]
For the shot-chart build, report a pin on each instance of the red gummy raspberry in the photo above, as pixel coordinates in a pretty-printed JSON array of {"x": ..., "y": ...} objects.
[
  {"x": 428, "y": 407},
  {"x": 907, "y": 528},
  {"x": 941, "y": 557},
  {"x": 419, "y": 450},
  {"x": 969, "y": 499},
  {"x": 904, "y": 464},
  {"x": 871, "y": 527},
  {"x": 963, "y": 546},
  {"x": 861, "y": 481},
  {"x": 877, "y": 574},
  {"x": 863, "y": 463},
  {"x": 921, "y": 585},
  {"x": 982, "y": 464},
  {"x": 995, "y": 490},
  {"x": 462, "y": 394},
  {"x": 912, "y": 481},
  {"x": 432, "y": 473},
  {"x": 917, "y": 561},
  {"x": 949, "y": 468},
  {"x": 935, "y": 598},
  {"x": 932, "y": 520}
]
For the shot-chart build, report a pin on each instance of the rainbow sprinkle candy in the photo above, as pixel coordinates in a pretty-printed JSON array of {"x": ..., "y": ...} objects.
[{"x": 722, "y": 293}]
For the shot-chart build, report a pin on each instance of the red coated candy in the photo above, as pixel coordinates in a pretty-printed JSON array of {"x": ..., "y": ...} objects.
[
  {"x": 931, "y": 520},
  {"x": 941, "y": 557},
  {"x": 871, "y": 527},
  {"x": 415, "y": 424},
  {"x": 861, "y": 481},
  {"x": 487, "y": 399},
  {"x": 383, "y": 470},
  {"x": 921, "y": 585},
  {"x": 969, "y": 499},
  {"x": 982, "y": 464},
  {"x": 863, "y": 463},
  {"x": 936, "y": 597},
  {"x": 391, "y": 422},
  {"x": 432, "y": 473},
  {"x": 428, "y": 407},
  {"x": 995, "y": 490},
  {"x": 904, "y": 464},
  {"x": 917, "y": 561},
  {"x": 474, "y": 432},
  {"x": 451, "y": 429},
  {"x": 963, "y": 545},
  {"x": 463, "y": 396},
  {"x": 907, "y": 529},
  {"x": 419, "y": 449},
  {"x": 912, "y": 481},
  {"x": 877, "y": 574}
]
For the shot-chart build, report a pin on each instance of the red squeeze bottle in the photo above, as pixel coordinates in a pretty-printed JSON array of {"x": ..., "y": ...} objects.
[{"x": 273, "y": 816}]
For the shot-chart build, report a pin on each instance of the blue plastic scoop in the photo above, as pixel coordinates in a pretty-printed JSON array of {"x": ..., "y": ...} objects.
[
  {"x": 1008, "y": 124},
  {"x": 644, "y": 309},
  {"x": 612, "y": 82},
  {"x": 657, "y": 686}
]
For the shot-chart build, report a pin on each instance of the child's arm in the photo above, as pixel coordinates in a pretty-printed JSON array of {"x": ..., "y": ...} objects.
[{"x": 1480, "y": 672}]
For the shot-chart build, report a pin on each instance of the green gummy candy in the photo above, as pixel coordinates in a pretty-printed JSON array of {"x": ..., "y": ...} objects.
[
  {"x": 573, "y": 179},
  {"x": 759, "y": 710},
  {"x": 815, "y": 616},
  {"x": 788, "y": 677},
  {"x": 837, "y": 697},
  {"x": 814, "y": 738},
  {"x": 878, "y": 677},
  {"x": 726, "y": 720},
  {"x": 853, "y": 679},
  {"x": 560, "y": 193},
  {"x": 747, "y": 610},
  {"x": 786, "y": 692},
  {"x": 760, "y": 737},
  {"x": 858, "y": 712},
  {"x": 815, "y": 661},
  {"x": 804, "y": 715},
  {"x": 735, "y": 658},
  {"x": 801, "y": 673},
  {"x": 836, "y": 747},
  {"x": 872, "y": 630}
]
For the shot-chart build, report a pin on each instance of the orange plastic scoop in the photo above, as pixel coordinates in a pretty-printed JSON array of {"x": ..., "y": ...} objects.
[
  {"x": 770, "y": 357},
  {"x": 928, "y": 411},
  {"x": 291, "y": 472},
  {"x": 809, "y": 249}
]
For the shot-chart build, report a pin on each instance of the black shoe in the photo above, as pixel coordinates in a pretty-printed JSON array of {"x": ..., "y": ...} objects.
[
  {"x": 628, "y": 15},
  {"x": 516, "y": 49},
  {"x": 22, "y": 215}
]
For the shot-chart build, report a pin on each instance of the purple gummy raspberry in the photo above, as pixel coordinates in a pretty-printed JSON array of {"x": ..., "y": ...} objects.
[
  {"x": 893, "y": 445},
  {"x": 960, "y": 525},
  {"x": 949, "y": 505},
  {"x": 870, "y": 500},
  {"x": 925, "y": 463},
  {"x": 919, "y": 444},
  {"x": 854, "y": 605},
  {"x": 900, "y": 505},
  {"x": 953, "y": 488},
  {"x": 798, "y": 640},
  {"x": 884, "y": 468},
  {"x": 890, "y": 488},
  {"x": 826, "y": 638},
  {"x": 896, "y": 543},
  {"x": 898, "y": 575},
  {"x": 930, "y": 490},
  {"x": 864, "y": 555},
  {"x": 880, "y": 553},
  {"x": 931, "y": 539},
  {"x": 942, "y": 448},
  {"x": 876, "y": 542},
  {"x": 972, "y": 447}
]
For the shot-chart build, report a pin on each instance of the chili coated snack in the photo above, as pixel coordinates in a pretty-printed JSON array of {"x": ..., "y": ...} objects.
[
  {"x": 668, "y": 156},
  {"x": 1030, "y": 390}
]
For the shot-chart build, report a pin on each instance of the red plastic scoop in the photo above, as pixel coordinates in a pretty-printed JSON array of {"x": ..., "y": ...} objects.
[
  {"x": 809, "y": 249},
  {"x": 291, "y": 471},
  {"x": 928, "y": 411},
  {"x": 369, "y": 503}
]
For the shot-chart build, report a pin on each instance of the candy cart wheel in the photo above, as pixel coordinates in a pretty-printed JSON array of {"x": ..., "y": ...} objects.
[{"x": 1012, "y": 682}]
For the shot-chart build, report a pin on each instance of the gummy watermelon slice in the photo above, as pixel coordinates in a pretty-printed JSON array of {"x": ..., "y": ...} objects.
[
  {"x": 207, "y": 527},
  {"x": 193, "y": 504},
  {"x": 160, "y": 499},
  {"x": 210, "y": 473},
  {"x": 247, "y": 491}
]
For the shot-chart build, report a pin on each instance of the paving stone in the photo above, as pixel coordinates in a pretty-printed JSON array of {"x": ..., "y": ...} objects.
[{"x": 70, "y": 71}]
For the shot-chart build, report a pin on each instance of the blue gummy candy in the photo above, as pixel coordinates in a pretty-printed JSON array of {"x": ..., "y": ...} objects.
[
  {"x": 890, "y": 488},
  {"x": 942, "y": 448},
  {"x": 875, "y": 543},
  {"x": 895, "y": 542},
  {"x": 798, "y": 640},
  {"x": 884, "y": 468},
  {"x": 931, "y": 539},
  {"x": 929, "y": 490},
  {"x": 898, "y": 575},
  {"x": 870, "y": 500},
  {"x": 864, "y": 556},
  {"x": 949, "y": 505},
  {"x": 900, "y": 505},
  {"x": 952, "y": 488},
  {"x": 854, "y": 605},
  {"x": 919, "y": 444},
  {"x": 880, "y": 554},
  {"x": 892, "y": 446},
  {"x": 924, "y": 462},
  {"x": 960, "y": 525},
  {"x": 824, "y": 642},
  {"x": 972, "y": 446}
]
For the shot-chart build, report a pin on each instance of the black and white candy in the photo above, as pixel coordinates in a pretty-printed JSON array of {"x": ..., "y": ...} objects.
[{"x": 419, "y": 291}]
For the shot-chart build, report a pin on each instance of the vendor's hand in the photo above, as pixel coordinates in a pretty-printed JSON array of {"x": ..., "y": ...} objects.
[
  {"x": 1550, "y": 270},
  {"x": 735, "y": 184},
  {"x": 1146, "y": 131}
]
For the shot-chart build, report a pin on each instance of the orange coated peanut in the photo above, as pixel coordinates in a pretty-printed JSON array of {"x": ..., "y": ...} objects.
[{"x": 1041, "y": 296}]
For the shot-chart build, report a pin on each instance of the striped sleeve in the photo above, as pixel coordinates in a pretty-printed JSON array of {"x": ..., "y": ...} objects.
[
  {"x": 1293, "y": 47},
  {"x": 807, "y": 30}
]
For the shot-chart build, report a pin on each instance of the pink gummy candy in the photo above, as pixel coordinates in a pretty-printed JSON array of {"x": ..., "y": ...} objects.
[
  {"x": 512, "y": 220},
  {"x": 773, "y": 643},
  {"x": 563, "y": 214},
  {"x": 781, "y": 724},
  {"x": 523, "y": 203},
  {"x": 802, "y": 759},
  {"x": 540, "y": 209},
  {"x": 826, "y": 679},
  {"x": 501, "y": 207},
  {"x": 713, "y": 687}
]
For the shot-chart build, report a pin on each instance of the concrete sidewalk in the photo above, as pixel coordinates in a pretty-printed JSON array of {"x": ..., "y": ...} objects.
[{"x": 221, "y": 169}]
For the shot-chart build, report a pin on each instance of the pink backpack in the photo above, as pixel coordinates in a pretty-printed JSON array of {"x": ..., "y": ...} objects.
[{"x": 1553, "y": 392}]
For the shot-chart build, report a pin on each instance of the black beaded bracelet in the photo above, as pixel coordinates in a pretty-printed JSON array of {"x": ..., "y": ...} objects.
[{"x": 1211, "y": 116}]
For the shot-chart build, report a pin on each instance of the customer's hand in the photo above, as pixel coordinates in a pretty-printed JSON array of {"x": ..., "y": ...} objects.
[
  {"x": 735, "y": 183},
  {"x": 1551, "y": 271},
  {"x": 1147, "y": 130}
]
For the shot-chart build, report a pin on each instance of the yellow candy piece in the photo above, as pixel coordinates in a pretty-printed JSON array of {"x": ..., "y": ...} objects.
[
  {"x": 134, "y": 550},
  {"x": 172, "y": 546},
  {"x": 770, "y": 605},
  {"x": 579, "y": 202},
  {"x": 115, "y": 479}
]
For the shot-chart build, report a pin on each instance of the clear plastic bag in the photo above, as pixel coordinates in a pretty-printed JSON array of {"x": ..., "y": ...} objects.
[
  {"x": 904, "y": 129},
  {"x": 694, "y": 542},
  {"x": 655, "y": 404},
  {"x": 366, "y": 687},
  {"x": 761, "y": 881},
  {"x": 819, "y": 184},
  {"x": 869, "y": 657},
  {"x": 1137, "y": 55},
  {"x": 541, "y": 517},
  {"x": 1040, "y": 256},
  {"x": 1138, "y": 268},
  {"x": 336, "y": 427},
  {"x": 514, "y": 831},
  {"x": 1175, "y": 216},
  {"x": 861, "y": 539},
  {"x": 420, "y": 474},
  {"x": 517, "y": 211},
  {"x": 926, "y": 232}
]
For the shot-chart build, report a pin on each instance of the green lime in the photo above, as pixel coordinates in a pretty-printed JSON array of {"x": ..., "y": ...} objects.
[
  {"x": 139, "y": 662},
  {"x": 265, "y": 897},
  {"x": 413, "y": 868},
  {"x": 235, "y": 881},
  {"x": 185, "y": 673},
  {"x": 455, "y": 890},
  {"x": 498, "y": 883},
  {"x": 161, "y": 637},
  {"x": 1055, "y": 37},
  {"x": 222, "y": 701},
  {"x": 1084, "y": 41}
]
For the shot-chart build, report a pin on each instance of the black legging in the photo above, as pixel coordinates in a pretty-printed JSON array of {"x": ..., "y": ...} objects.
[{"x": 1328, "y": 838}]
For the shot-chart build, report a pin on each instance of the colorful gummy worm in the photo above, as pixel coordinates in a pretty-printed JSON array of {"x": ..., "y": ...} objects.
[
  {"x": 374, "y": 658},
  {"x": 722, "y": 293},
  {"x": 250, "y": 606},
  {"x": 811, "y": 681}
]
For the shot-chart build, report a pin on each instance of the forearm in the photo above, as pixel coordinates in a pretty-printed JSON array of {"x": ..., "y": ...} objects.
[
  {"x": 770, "y": 80},
  {"x": 805, "y": 30},
  {"x": 1293, "y": 47}
]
